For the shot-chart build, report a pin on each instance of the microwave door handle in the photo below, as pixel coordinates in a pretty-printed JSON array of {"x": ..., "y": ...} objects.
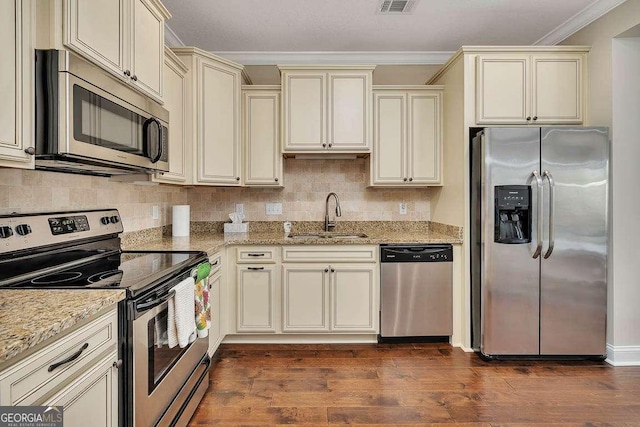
[{"x": 158, "y": 155}]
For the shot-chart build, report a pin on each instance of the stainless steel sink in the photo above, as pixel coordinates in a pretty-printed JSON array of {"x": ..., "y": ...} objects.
[{"x": 327, "y": 236}]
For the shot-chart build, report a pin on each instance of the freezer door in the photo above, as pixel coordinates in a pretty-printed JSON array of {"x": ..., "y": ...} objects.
[
  {"x": 573, "y": 303},
  {"x": 510, "y": 281}
]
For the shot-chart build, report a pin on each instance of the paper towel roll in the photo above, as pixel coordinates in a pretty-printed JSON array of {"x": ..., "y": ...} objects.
[{"x": 181, "y": 221}]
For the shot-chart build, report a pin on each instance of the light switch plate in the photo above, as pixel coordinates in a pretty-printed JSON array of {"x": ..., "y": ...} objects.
[
  {"x": 273, "y": 208},
  {"x": 155, "y": 212},
  {"x": 403, "y": 208}
]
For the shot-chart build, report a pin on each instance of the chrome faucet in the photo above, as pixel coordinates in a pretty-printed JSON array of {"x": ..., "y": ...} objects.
[{"x": 330, "y": 225}]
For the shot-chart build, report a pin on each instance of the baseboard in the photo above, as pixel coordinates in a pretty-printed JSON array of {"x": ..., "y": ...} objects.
[
  {"x": 300, "y": 339},
  {"x": 623, "y": 355}
]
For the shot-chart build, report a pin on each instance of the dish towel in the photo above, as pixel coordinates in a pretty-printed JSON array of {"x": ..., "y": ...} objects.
[
  {"x": 181, "y": 325},
  {"x": 202, "y": 308}
]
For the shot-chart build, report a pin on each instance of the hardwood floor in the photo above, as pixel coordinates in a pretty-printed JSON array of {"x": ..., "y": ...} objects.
[{"x": 410, "y": 384}]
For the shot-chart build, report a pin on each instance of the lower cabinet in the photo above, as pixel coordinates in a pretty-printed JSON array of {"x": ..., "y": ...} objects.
[
  {"x": 305, "y": 298},
  {"x": 354, "y": 297},
  {"x": 217, "y": 300},
  {"x": 256, "y": 295},
  {"x": 93, "y": 396}
]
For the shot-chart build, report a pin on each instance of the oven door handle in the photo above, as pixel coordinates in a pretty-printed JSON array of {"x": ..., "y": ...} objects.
[{"x": 143, "y": 306}]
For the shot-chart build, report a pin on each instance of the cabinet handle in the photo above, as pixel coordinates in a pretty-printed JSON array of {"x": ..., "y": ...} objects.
[
  {"x": 404, "y": 179},
  {"x": 214, "y": 264},
  {"x": 326, "y": 270},
  {"x": 332, "y": 270},
  {"x": 410, "y": 179},
  {"x": 255, "y": 268},
  {"x": 528, "y": 118},
  {"x": 237, "y": 178},
  {"x": 118, "y": 364},
  {"x": 127, "y": 73},
  {"x": 324, "y": 145},
  {"x": 134, "y": 78},
  {"x": 30, "y": 151},
  {"x": 276, "y": 179},
  {"x": 535, "y": 117},
  {"x": 71, "y": 358},
  {"x": 330, "y": 145},
  {"x": 255, "y": 254}
]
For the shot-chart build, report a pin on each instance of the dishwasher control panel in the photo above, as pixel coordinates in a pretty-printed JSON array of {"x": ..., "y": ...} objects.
[{"x": 416, "y": 253}]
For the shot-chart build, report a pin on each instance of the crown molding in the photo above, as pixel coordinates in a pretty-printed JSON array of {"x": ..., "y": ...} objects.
[
  {"x": 337, "y": 58},
  {"x": 578, "y": 21},
  {"x": 171, "y": 39}
]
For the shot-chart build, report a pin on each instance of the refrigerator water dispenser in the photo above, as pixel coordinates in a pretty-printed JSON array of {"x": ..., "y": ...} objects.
[{"x": 512, "y": 223}]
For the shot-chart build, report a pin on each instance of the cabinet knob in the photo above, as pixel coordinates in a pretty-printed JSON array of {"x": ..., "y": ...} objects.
[
  {"x": 30, "y": 151},
  {"x": 404, "y": 179},
  {"x": 237, "y": 178},
  {"x": 134, "y": 78},
  {"x": 410, "y": 179},
  {"x": 117, "y": 364},
  {"x": 535, "y": 117},
  {"x": 330, "y": 144},
  {"x": 528, "y": 118},
  {"x": 127, "y": 73},
  {"x": 326, "y": 270},
  {"x": 332, "y": 270},
  {"x": 276, "y": 179},
  {"x": 324, "y": 145}
]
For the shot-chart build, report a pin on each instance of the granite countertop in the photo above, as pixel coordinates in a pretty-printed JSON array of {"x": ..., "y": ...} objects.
[
  {"x": 30, "y": 316},
  {"x": 213, "y": 240}
]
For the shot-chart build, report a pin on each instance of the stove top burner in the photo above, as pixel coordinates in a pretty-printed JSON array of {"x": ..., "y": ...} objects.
[
  {"x": 54, "y": 278},
  {"x": 109, "y": 274}
]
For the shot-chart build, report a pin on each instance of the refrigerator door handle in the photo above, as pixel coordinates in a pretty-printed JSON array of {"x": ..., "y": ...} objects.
[
  {"x": 552, "y": 189},
  {"x": 538, "y": 250}
]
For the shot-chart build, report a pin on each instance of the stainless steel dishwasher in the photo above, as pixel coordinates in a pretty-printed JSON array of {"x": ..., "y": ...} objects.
[{"x": 416, "y": 292}]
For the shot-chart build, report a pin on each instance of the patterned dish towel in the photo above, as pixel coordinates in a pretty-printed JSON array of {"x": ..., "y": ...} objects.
[
  {"x": 202, "y": 307},
  {"x": 181, "y": 328}
]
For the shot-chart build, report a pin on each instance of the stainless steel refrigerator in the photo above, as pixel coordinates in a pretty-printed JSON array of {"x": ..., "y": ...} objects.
[{"x": 539, "y": 208}]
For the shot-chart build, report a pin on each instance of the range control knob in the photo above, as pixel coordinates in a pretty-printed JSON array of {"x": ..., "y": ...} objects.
[
  {"x": 104, "y": 220},
  {"x": 5, "y": 232},
  {"x": 114, "y": 219},
  {"x": 23, "y": 229}
]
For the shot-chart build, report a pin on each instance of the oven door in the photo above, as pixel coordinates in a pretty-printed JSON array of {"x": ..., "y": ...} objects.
[{"x": 159, "y": 372}]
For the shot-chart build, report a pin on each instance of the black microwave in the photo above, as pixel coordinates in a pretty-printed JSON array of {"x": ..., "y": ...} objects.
[{"x": 89, "y": 122}]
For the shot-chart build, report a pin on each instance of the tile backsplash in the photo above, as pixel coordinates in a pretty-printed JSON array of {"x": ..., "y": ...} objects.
[{"x": 307, "y": 183}]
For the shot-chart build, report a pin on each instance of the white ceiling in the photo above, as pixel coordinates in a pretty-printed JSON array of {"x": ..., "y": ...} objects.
[{"x": 353, "y": 25}]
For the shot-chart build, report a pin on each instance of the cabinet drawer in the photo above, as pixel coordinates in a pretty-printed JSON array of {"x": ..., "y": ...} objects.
[
  {"x": 28, "y": 381},
  {"x": 328, "y": 253},
  {"x": 256, "y": 255},
  {"x": 216, "y": 263}
]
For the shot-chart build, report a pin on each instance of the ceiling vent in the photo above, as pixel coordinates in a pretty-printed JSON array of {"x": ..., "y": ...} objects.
[{"x": 395, "y": 7}]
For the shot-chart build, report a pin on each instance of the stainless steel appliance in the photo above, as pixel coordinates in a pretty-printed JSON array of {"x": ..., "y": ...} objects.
[
  {"x": 539, "y": 201},
  {"x": 416, "y": 292},
  {"x": 81, "y": 250},
  {"x": 89, "y": 122}
]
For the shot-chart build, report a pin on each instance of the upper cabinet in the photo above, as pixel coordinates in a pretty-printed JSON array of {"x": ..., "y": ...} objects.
[
  {"x": 213, "y": 117},
  {"x": 407, "y": 140},
  {"x": 530, "y": 88},
  {"x": 17, "y": 24},
  {"x": 326, "y": 109},
  {"x": 175, "y": 101},
  {"x": 125, "y": 37},
  {"x": 261, "y": 136}
]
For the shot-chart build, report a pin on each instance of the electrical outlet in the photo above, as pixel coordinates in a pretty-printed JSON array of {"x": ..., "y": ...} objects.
[
  {"x": 239, "y": 208},
  {"x": 155, "y": 214},
  {"x": 273, "y": 208},
  {"x": 403, "y": 208}
]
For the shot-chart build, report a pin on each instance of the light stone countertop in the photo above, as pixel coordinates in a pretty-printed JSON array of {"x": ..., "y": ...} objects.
[{"x": 30, "y": 316}]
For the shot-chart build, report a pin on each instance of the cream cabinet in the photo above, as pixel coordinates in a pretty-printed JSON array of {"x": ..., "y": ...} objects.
[
  {"x": 542, "y": 88},
  {"x": 125, "y": 37},
  {"x": 407, "y": 140},
  {"x": 17, "y": 35},
  {"x": 326, "y": 109},
  {"x": 256, "y": 295},
  {"x": 261, "y": 136},
  {"x": 217, "y": 301},
  {"x": 175, "y": 92},
  {"x": 354, "y": 297},
  {"x": 305, "y": 293},
  {"x": 213, "y": 117},
  {"x": 78, "y": 371}
]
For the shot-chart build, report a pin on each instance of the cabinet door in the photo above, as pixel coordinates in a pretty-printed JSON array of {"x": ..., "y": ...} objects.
[
  {"x": 215, "y": 332},
  {"x": 218, "y": 133},
  {"x": 96, "y": 29},
  {"x": 502, "y": 89},
  {"x": 389, "y": 138},
  {"x": 256, "y": 299},
  {"x": 425, "y": 140},
  {"x": 147, "y": 43},
  {"x": 305, "y": 298},
  {"x": 261, "y": 135},
  {"x": 304, "y": 109},
  {"x": 349, "y": 111},
  {"x": 354, "y": 306},
  {"x": 93, "y": 396},
  {"x": 175, "y": 92},
  {"x": 557, "y": 88},
  {"x": 16, "y": 74}
]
